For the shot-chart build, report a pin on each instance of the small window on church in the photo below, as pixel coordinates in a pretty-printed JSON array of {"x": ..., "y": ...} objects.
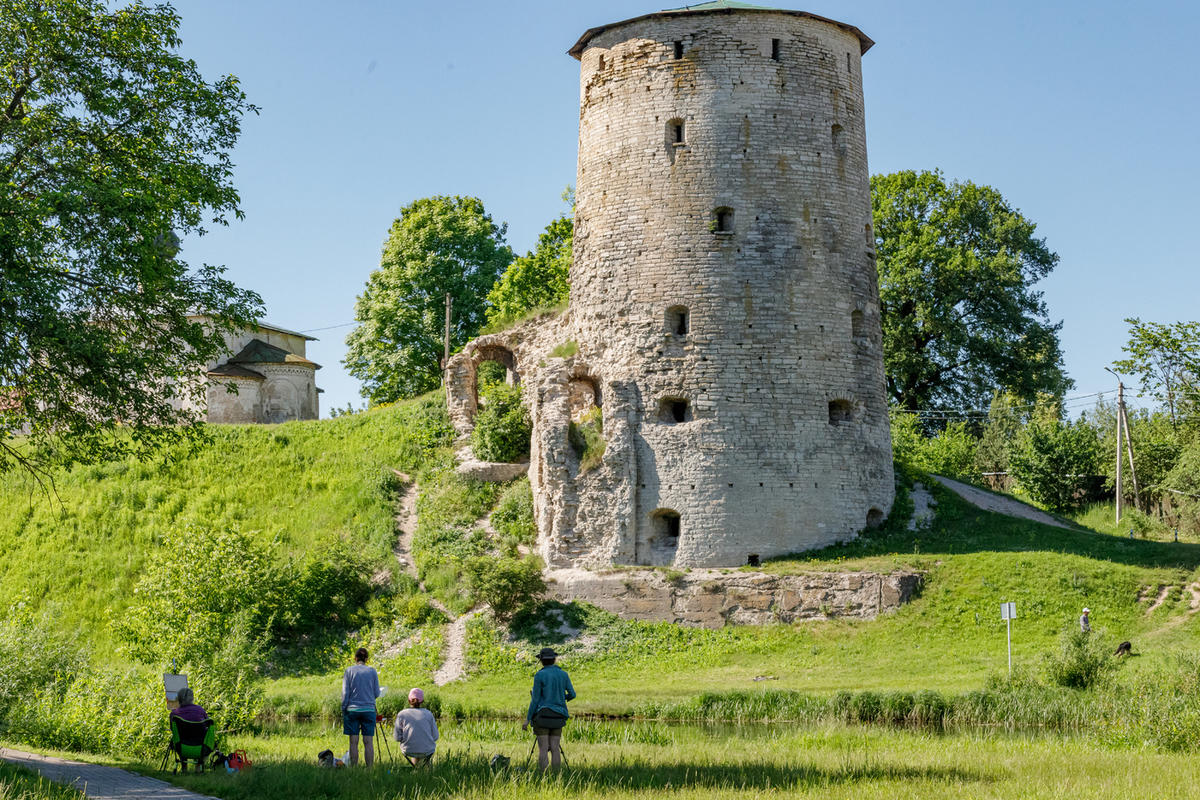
[
  {"x": 775, "y": 49},
  {"x": 678, "y": 48}
]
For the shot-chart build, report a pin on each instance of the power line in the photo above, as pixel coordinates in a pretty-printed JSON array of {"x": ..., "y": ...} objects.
[{"x": 328, "y": 327}]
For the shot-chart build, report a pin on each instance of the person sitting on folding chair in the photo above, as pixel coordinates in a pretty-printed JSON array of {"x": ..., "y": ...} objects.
[
  {"x": 188, "y": 710},
  {"x": 193, "y": 735},
  {"x": 416, "y": 730}
]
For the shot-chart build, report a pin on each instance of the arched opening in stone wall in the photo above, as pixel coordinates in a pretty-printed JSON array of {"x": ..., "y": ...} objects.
[
  {"x": 661, "y": 541},
  {"x": 678, "y": 321},
  {"x": 674, "y": 410},
  {"x": 874, "y": 518},
  {"x": 583, "y": 395},
  {"x": 841, "y": 412},
  {"x": 492, "y": 365}
]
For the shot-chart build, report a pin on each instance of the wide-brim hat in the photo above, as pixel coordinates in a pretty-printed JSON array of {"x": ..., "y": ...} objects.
[{"x": 545, "y": 653}]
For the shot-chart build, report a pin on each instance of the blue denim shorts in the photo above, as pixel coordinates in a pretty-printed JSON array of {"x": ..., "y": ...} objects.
[{"x": 354, "y": 721}]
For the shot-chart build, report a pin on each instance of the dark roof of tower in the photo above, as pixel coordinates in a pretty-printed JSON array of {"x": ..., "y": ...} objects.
[
  {"x": 259, "y": 352},
  {"x": 228, "y": 370},
  {"x": 717, "y": 7}
]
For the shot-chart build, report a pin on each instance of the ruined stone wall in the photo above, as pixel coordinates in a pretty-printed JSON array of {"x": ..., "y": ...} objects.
[
  {"x": 713, "y": 599},
  {"x": 723, "y": 301}
]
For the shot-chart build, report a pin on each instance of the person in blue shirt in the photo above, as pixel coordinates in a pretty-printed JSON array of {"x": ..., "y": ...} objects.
[
  {"x": 360, "y": 688},
  {"x": 548, "y": 708}
]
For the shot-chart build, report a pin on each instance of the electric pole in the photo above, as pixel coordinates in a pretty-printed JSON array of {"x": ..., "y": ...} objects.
[
  {"x": 446, "y": 346},
  {"x": 1120, "y": 406}
]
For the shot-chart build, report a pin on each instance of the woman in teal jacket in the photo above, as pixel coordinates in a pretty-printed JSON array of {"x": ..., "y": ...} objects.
[{"x": 548, "y": 708}]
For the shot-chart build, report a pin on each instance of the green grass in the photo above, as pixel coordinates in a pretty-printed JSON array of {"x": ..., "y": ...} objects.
[
  {"x": 17, "y": 783},
  {"x": 654, "y": 761},
  {"x": 302, "y": 485},
  {"x": 565, "y": 350}
]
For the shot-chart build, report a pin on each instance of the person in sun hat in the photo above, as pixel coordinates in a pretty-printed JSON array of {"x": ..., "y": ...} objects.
[
  {"x": 1085, "y": 623},
  {"x": 548, "y": 699},
  {"x": 416, "y": 729}
]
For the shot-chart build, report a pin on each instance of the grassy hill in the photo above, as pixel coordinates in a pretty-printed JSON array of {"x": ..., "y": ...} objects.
[{"x": 305, "y": 488}]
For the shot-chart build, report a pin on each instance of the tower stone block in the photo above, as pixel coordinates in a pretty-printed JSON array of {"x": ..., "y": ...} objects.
[{"x": 724, "y": 304}]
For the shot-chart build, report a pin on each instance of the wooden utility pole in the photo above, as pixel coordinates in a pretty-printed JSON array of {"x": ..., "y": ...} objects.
[
  {"x": 1120, "y": 407},
  {"x": 1124, "y": 418},
  {"x": 446, "y": 345}
]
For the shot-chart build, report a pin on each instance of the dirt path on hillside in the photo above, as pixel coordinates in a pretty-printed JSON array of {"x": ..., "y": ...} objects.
[
  {"x": 406, "y": 525},
  {"x": 454, "y": 660},
  {"x": 1001, "y": 505}
]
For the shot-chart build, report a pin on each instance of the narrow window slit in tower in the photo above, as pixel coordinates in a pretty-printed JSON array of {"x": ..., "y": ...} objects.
[
  {"x": 677, "y": 320},
  {"x": 775, "y": 49},
  {"x": 722, "y": 221},
  {"x": 678, "y": 49},
  {"x": 848, "y": 69}
]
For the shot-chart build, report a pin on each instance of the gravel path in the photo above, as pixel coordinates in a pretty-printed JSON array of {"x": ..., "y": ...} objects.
[
  {"x": 97, "y": 780},
  {"x": 1001, "y": 505},
  {"x": 454, "y": 662}
]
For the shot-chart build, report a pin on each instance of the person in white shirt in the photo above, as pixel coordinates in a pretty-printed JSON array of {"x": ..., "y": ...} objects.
[{"x": 416, "y": 730}]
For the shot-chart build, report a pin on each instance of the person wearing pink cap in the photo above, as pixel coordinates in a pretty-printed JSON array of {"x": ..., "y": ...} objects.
[{"x": 416, "y": 730}]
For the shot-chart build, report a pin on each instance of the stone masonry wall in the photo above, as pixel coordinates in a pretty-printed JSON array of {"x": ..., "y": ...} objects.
[
  {"x": 739, "y": 372},
  {"x": 712, "y": 599}
]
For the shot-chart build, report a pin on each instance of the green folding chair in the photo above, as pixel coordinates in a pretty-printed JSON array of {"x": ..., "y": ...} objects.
[{"x": 191, "y": 741}]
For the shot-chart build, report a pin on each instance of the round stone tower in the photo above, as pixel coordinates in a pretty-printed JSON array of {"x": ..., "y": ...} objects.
[{"x": 723, "y": 291}]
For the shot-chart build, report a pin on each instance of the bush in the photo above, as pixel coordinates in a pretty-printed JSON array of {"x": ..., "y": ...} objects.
[
  {"x": 1083, "y": 660},
  {"x": 509, "y": 585},
  {"x": 513, "y": 517},
  {"x": 1053, "y": 460},
  {"x": 586, "y": 438},
  {"x": 502, "y": 426}
]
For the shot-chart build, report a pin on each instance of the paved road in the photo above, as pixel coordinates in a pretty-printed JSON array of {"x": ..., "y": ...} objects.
[
  {"x": 98, "y": 781},
  {"x": 1003, "y": 505}
]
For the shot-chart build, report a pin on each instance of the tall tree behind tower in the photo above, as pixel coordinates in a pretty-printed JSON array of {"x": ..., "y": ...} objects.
[
  {"x": 438, "y": 245},
  {"x": 960, "y": 317}
]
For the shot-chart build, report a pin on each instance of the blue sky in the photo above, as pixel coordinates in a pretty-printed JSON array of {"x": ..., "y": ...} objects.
[{"x": 1084, "y": 115}]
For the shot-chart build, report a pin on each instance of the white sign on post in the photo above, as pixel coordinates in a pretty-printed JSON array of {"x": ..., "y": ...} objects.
[{"x": 1008, "y": 612}]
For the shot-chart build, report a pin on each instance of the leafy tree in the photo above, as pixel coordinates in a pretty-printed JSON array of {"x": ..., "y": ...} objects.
[
  {"x": 1052, "y": 460},
  {"x": 1004, "y": 422},
  {"x": 438, "y": 245},
  {"x": 960, "y": 319},
  {"x": 951, "y": 452},
  {"x": 1166, "y": 359},
  {"x": 1156, "y": 445},
  {"x": 111, "y": 144},
  {"x": 536, "y": 280}
]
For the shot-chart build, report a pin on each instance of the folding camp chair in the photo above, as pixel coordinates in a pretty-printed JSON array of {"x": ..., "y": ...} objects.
[
  {"x": 417, "y": 762},
  {"x": 191, "y": 741}
]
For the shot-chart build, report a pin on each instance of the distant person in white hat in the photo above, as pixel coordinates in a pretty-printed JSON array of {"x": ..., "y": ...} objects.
[{"x": 1085, "y": 624}]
